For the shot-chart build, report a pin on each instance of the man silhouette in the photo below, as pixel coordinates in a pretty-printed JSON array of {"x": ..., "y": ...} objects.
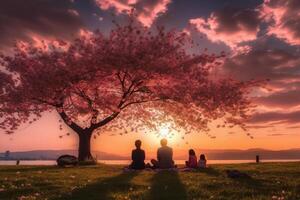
[{"x": 164, "y": 156}]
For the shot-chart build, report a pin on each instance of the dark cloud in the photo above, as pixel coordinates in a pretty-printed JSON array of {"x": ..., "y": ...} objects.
[
  {"x": 284, "y": 99},
  {"x": 232, "y": 20},
  {"x": 264, "y": 64},
  {"x": 229, "y": 25},
  {"x": 282, "y": 68},
  {"x": 290, "y": 117},
  {"x": 20, "y": 20}
]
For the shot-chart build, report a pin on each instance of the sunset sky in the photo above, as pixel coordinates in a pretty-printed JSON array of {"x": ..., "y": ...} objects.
[{"x": 260, "y": 37}]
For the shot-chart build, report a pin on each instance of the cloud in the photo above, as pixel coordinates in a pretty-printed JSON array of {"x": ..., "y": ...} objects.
[
  {"x": 282, "y": 117},
  {"x": 119, "y": 6},
  {"x": 283, "y": 17},
  {"x": 281, "y": 67},
  {"x": 237, "y": 28},
  {"x": 278, "y": 134},
  {"x": 230, "y": 26},
  {"x": 273, "y": 64},
  {"x": 37, "y": 18},
  {"x": 293, "y": 127},
  {"x": 283, "y": 99},
  {"x": 73, "y": 12},
  {"x": 146, "y": 11},
  {"x": 259, "y": 126}
]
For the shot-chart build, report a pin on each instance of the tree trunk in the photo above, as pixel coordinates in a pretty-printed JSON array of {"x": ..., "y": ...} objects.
[{"x": 84, "y": 151}]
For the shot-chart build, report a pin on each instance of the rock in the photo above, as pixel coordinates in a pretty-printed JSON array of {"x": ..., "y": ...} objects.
[
  {"x": 67, "y": 160},
  {"x": 236, "y": 174}
]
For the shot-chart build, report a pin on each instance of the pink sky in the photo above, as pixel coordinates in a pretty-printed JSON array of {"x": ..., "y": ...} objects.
[{"x": 45, "y": 133}]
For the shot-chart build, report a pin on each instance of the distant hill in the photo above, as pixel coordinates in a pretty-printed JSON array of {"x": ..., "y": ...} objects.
[
  {"x": 54, "y": 154},
  {"x": 179, "y": 154}
]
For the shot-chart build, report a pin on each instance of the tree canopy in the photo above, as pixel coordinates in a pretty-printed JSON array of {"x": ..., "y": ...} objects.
[{"x": 134, "y": 78}]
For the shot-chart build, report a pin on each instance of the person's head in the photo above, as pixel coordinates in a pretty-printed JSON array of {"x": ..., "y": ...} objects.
[
  {"x": 192, "y": 152},
  {"x": 138, "y": 144},
  {"x": 164, "y": 142},
  {"x": 202, "y": 157}
]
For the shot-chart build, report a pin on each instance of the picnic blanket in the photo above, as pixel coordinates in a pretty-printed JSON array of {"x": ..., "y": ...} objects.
[{"x": 185, "y": 169}]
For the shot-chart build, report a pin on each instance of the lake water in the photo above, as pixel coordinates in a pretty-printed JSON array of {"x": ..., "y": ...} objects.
[{"x": 126, "y": 162}]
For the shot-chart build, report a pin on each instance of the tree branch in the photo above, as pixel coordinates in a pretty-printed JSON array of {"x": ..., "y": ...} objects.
[
  {"x": 69, "y": 122},
  {"x": 104, "y": 121},
  {"x": 83, "y": 95},
  {"x": 126, "y": 93},
  {"x": 62, "y": 114},
  {"x": 122, "y": 80},
  {"x": 142, "y": 101},
  {"x": 44, "y": 102}
]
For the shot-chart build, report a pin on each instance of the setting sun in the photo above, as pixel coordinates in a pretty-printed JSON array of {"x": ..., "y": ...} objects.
[{"x": 164, "y": 132}]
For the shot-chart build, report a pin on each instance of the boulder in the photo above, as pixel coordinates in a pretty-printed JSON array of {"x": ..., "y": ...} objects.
[
  {"x": 67, "y": 160},
  {"x": 236, "y": 174}
]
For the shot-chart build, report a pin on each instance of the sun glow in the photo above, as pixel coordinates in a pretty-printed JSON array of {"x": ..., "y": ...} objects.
[{"x": 164, "y": 132}]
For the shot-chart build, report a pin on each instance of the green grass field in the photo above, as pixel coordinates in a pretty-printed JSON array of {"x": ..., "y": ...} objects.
[{"x": 268, "y": 181}]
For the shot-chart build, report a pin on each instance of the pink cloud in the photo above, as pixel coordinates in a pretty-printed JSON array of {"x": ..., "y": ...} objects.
[
  {"x": 150, "y": 11},
  {"x": 284, "y": 18},
  {"x": 230, "y": 26},
  {"x": 85, "y": 33},
  {"x": 281, "y": 67},
  {"x": 281, "y": 117},
  {"x": 73, "y": 12},
  {"x": 44, "y": 43},
  {"x": 277, "y": 65},
  {"x": 284, "y": 99},
  {"x": 146, "y": 11},
  {"x": 118, "y": 5}
]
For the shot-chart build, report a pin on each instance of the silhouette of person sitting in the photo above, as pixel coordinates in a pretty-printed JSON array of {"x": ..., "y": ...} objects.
[
  {"x": 192, "y": 162},
  {"x": 202, "y": 161},
  {"x": 164, "y": 156},
  {"x": 138, "y": 156}
]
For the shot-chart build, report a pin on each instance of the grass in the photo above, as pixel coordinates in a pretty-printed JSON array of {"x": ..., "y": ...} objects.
[{"x": 268, "y": 181}]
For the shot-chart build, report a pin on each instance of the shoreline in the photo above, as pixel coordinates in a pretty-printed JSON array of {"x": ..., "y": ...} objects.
[{"x": 180, "y": 165}]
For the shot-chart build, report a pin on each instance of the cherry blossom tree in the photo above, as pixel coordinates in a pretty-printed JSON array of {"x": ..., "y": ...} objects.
[{"x": 133, "y": 79}]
